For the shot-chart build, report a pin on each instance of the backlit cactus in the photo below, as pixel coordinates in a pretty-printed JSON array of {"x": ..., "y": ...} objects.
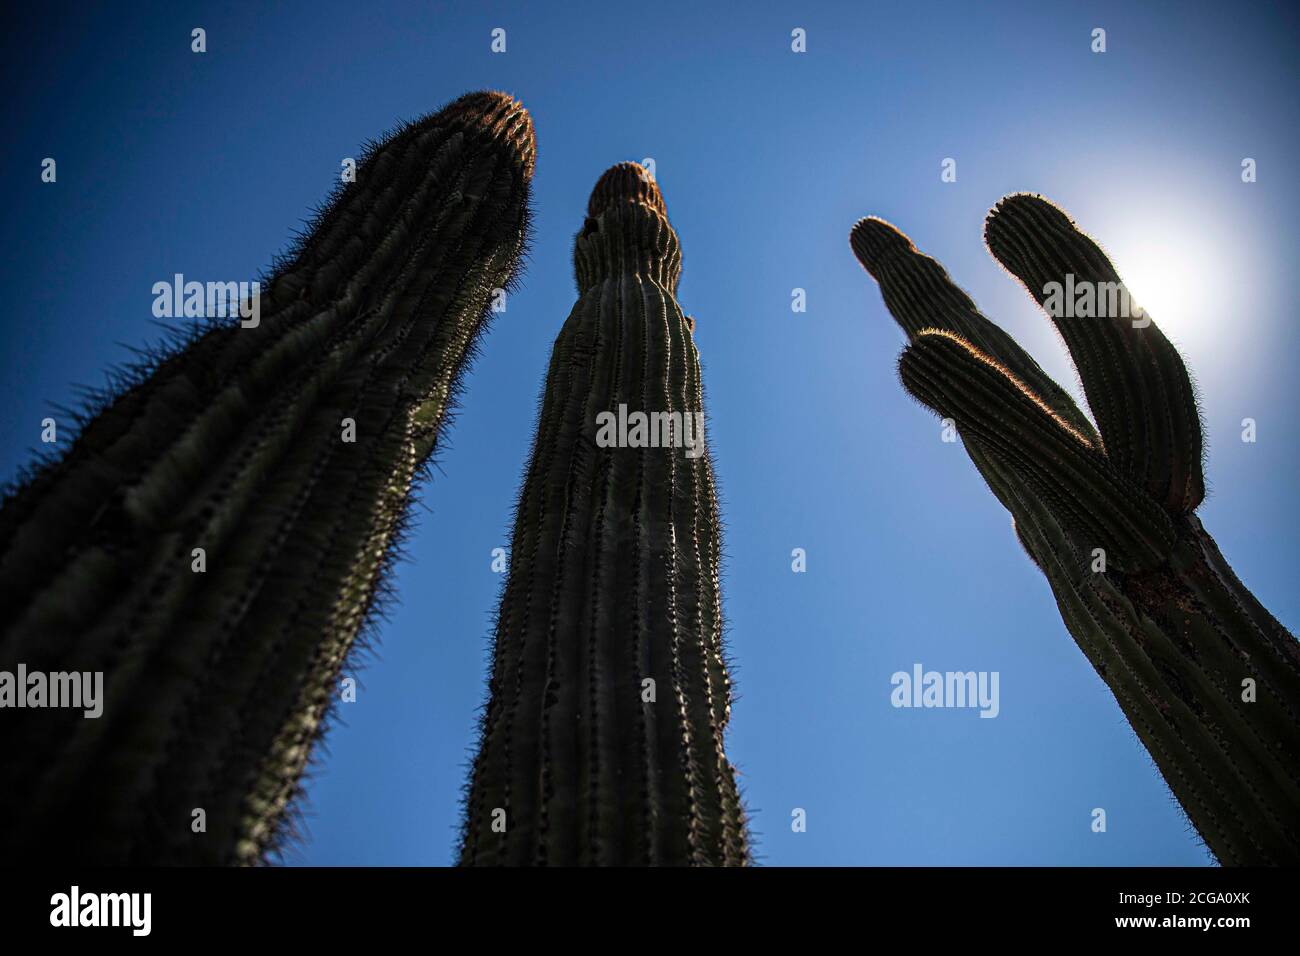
[
  {"x": 1208, "y": 679},
  {"x": 214, "y": 539},
  {"x": 602, "y": 738}
]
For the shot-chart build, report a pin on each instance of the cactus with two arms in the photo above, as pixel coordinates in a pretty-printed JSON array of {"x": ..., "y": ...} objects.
[{"x": 1206, "y": 676}]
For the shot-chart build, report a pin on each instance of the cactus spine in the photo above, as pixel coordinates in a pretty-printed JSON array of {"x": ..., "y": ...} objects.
[
  {"x": 613, "y": 585},
  {"x": 216, "y": 684},
  {"x": 1208, "y": 679}
]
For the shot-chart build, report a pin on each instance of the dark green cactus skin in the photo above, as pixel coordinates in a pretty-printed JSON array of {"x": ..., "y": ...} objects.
[
  {"x": 614, "y": 579},
  {"x": 217, "y": 684},
  {"x": 1168, "y": 626}
]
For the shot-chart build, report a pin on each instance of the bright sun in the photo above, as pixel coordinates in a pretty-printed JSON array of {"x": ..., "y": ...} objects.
[{"x": 1177, "y": 275}]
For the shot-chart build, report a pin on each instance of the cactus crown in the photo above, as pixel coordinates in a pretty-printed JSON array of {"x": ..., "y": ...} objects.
[
  {"x": 623, "y": 183},
  {"x": 626, "y": 231},
  {"x": 498, "y": 118}
]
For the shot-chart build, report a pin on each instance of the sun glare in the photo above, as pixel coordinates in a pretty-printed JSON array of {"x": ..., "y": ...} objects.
[{"x": 1177, "y": 276}]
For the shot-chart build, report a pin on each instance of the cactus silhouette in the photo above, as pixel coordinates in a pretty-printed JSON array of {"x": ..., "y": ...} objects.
[
  {"x": 1208, "y": 679},
  {"x": 214, "y": 539},
  {"x": 602, "y": 738}
]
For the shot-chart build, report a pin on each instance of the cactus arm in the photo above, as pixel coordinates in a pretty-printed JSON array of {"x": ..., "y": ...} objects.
[
  {"x": 990, "y": 404},
  {"x": 1134, "y": 379},
  {"x": 1166, "y": 624},
  {"x": 920, "y": 295},
  {"x": 216, "y": 684},
  {"x": 613, "y": 580}
]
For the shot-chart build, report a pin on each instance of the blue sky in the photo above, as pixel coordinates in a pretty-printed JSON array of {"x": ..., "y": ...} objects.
[{"x": 171, "y": 162}]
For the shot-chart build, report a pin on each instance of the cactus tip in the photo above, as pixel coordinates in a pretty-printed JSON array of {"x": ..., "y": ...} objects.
[
  {"x": 504, "y": 117},
  {"x": 626, "y": 182},
  {"x": 871, "y": 238},
  {"x": 1018, "y": 211}
]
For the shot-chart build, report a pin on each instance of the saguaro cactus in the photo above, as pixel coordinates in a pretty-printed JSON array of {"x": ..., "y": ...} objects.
[
  {"x": 1208, "y": 679},
  {"x": 602, "y": 738},
  {"x": 213, "y": 540}
]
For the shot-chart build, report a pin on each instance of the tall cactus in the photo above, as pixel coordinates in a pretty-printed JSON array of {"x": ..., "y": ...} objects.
[
  {"x": 1208, "y": 679},
  {"x": 602, "y": 738},
  {"x": 214, "y": 539}
]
